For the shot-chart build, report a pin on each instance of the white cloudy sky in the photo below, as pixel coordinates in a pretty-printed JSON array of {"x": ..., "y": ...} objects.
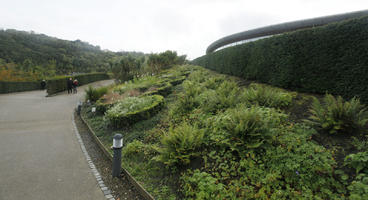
[{"x": 187, "y": 26}]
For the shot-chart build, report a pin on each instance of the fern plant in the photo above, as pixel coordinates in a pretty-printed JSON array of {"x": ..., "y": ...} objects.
[
  {"x": 249, "y": 127},
  {"x": 266, "y": 96},
  {"x": 336, "y": 116},
  {"x": 180, "y": 145},
  {"x": 93, "y": 94}
]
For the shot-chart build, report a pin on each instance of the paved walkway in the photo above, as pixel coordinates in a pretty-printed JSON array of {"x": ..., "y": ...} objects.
[{"x": 40, "y": 157}]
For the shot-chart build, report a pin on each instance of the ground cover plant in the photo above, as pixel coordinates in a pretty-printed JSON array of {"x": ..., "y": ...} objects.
[{"x": 216, "y": 140}]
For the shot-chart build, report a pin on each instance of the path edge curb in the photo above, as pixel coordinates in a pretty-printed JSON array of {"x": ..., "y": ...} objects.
[
  {"x": 104, "y": 189},
  {"x": 131, "y": 179}
]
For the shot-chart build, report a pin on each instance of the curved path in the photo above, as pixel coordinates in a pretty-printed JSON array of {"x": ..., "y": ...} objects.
[{"x": 40, "y": 157}]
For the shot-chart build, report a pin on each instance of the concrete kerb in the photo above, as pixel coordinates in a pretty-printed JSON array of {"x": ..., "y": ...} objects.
[
  {"x": 104, "y": 189},
  {"x": 131, "y": 179}
]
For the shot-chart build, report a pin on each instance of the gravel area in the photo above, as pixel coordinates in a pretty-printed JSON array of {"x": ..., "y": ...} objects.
[{"x": 120, "y": 187}]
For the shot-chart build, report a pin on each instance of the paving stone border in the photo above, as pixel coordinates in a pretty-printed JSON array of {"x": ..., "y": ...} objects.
[{"x": 106, "y": 191}]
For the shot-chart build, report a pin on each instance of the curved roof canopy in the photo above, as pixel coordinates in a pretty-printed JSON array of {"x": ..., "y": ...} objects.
[{"x": 282, "y": 28}]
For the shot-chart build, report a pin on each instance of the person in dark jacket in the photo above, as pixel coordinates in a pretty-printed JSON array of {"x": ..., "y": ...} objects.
[
  {"x": 70, "y": 85},
  {"x": 43, "y": 84}
]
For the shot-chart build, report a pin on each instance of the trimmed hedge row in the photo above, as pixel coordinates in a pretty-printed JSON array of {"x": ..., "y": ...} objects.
[
  {"x": 163, "y": 90},
  {"x": 126, "y": 119},
  {"x": 331, "y": 58},
  {"x": 8, "y": 87},
  {"x": 60, "y": 84}
]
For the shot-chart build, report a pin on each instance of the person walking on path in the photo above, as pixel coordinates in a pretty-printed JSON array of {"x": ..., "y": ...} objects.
[
  {"x": 70, "y": 85},
  {"x": 75, "y": 84}
]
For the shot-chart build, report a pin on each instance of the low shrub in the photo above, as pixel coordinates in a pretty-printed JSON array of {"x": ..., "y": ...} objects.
[
  {"x": 186, "y": 99},
  {"x": 336, "y": 116},
  {"x": 133, "y": 109},
  {"x": 214, "y": 82},
  {"x": 248, "y": 127},
  {"x": 358, "y": 161},
  {"x": 199, "y": 76},
  {"x": 102, "y": 107},
  {"x": 93, "y": 94},
  {"x": 163, "y": 90},
  {"x": 201, "y": 186},
  {"x": 137, "y": 150},
  {"x": 225, "y": 95},
  {"x": 141, "y": 84},
  {"x": 177, "y": 80},
  {"x": 180, "y": 146},
  {"x": 359, "y": 188},
  {"x": 266, "y": 96}
]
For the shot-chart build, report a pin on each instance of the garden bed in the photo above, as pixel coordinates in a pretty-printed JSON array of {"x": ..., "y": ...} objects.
[{"x": 214, "y": 139}]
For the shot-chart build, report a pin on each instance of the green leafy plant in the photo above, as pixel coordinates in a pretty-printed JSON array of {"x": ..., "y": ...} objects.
[
  {"x": 358, "y": 161},
  {"x": 138, "y": 150},
  {"x": 141, "y": 84},
  {"x": 249, "y": 127},
  {"x": 186, "y": 99},
  {"x": 360, "y": 143},
  {"x": 93, "y": 94},
  {"x": 227, "y": 94},
  {"x": 201, "y": 186},
  {"x": 359, "y": 188},
  {"x": 336, "y": 116},
  {"x": 224, "y": 95},
  {"x": 266, "y": 96},
  {"x": 180, "y": 145},
  {"x": 133, "y": 109}
]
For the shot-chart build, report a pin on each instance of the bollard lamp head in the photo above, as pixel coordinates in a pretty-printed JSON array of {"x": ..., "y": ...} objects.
[{"x": 117, "y": 141}]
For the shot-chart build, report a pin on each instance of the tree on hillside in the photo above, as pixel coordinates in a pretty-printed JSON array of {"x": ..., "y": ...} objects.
[
  {"x": 164, "y": 60},
  {"x": 127, "y": 68}
]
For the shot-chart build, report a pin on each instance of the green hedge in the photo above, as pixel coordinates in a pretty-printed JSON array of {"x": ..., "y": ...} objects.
[
  {"x": 163, "y": 90},
  {"x": 59, "y": 84},
  {"x": 8, "y": 87},
  {"x": 331, "y": 58},
  {"x": 120, "y": 120}
]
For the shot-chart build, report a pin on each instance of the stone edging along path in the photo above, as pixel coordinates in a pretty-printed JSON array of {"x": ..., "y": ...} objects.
[
  {"x": 131, "y": 179},
  {"x": 104, "y": 188}
]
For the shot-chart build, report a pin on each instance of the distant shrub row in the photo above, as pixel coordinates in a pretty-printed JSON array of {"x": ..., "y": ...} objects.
[
  {"x": 59, "y": 84},
  {"x": 8, "y": 87},
  {"x": 331, "y": 58}
]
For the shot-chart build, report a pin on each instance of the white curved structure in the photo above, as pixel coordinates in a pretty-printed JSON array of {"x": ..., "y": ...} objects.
[{"x": 282, "y": 28}]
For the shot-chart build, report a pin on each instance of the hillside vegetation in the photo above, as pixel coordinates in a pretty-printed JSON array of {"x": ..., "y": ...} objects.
[
  {"x": 220, "y": 137},
  {"x": 331, "y": 58},
  {"x": 26, "y": 58},
  {"x": 30, "y": 51}
]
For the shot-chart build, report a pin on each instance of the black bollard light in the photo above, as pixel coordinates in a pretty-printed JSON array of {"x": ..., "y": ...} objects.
[{"x": 117, "y": 144}]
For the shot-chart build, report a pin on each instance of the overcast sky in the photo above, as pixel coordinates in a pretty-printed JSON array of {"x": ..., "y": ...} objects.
[{"x": 186, "y": 26}]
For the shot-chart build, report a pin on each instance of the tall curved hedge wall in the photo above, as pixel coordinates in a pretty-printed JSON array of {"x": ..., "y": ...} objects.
[
  {"x": 331, "y": 58},
  {"x": 59, "y": 84},
  {"x": 8, "y": 87}
]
